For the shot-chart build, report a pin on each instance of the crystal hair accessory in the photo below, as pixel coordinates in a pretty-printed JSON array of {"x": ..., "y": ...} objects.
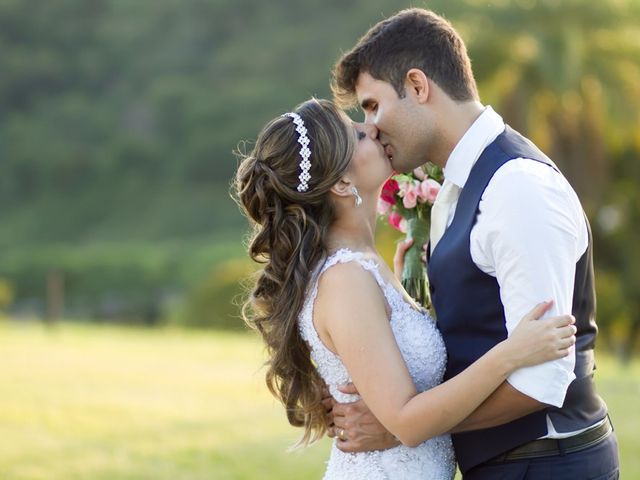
[{"x": 305, "y": 152}]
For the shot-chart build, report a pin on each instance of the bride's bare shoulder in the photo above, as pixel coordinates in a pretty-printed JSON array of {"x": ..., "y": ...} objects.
[{"x": 347, "y": 286}]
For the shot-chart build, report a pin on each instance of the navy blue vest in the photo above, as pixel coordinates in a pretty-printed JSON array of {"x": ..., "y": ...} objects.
[{"x": 471, "y": 315}]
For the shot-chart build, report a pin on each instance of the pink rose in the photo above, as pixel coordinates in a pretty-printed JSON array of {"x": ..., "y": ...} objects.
[
  {"x": 404, "y": 187},
  {"x": 398, "y": 222},
  {"x": 410, "y": 198},
  {"x": 419, "y": 173},
  {"x": 383, "y": 206},
  {"x": 429, "y": 190}
]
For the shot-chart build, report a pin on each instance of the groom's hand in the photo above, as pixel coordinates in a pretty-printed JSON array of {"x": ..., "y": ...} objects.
[
  {"x": 328, "y": 402},
  {"x": 355, "y": 427}
]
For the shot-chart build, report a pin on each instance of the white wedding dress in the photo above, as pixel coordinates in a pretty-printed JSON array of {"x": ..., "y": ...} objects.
[{"x": 424, "y": 353}]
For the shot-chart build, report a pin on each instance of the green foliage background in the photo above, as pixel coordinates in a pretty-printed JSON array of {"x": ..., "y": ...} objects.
[{"x": 118, "y": 119}]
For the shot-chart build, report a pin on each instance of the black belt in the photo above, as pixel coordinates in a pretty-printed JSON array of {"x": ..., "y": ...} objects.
[{"x": 550, "y": 447}]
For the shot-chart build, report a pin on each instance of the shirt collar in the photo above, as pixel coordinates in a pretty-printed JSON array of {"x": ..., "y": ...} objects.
[{"x": 480, "y": 134}]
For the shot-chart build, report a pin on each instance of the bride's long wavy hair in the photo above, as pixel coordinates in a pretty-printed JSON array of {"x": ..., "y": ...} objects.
[{"x": 290, "y": 239}]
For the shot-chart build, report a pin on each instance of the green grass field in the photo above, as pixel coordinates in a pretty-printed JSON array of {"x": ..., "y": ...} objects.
[{"x": 93, "y": 402}]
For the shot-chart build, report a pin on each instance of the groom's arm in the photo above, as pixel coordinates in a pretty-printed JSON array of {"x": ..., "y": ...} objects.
[
  {"x": 366, "y": 433},
  {"x": 361, "y": 430},
  {"x": 529, "y": 235},
  {"x": 503, "y": 406}
]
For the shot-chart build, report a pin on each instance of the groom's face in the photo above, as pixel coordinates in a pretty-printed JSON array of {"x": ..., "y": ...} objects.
[{"x": 397, "y": 119}]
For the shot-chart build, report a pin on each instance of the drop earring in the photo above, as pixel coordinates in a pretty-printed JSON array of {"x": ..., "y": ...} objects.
[{"x": 354, "y": 190}]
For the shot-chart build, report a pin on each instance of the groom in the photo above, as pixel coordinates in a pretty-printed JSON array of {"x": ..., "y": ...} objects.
[{"x": 510, "y": 233}]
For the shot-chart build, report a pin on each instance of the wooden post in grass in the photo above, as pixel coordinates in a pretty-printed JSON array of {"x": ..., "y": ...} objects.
[{"x": 55, "y": 296}]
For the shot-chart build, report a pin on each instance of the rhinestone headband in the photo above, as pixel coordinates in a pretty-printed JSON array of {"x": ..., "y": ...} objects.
[{"x": 305, "y": 153}]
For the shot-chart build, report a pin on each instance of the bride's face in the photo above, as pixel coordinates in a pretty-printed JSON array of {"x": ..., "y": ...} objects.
[{"x": 370, "y": 167}]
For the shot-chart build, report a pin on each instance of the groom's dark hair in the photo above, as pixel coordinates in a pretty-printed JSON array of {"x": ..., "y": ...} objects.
[{"x": 413, "y": 38}]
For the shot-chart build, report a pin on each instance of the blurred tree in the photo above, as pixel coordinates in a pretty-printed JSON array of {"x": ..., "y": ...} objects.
[
  {"x": 567, "y": 74},
  {"x": 118, "y": 118},
  {"x": 617, "y": 239},
  {"x": 216, "y": 301},
  {"x": 7, "y": 294}
]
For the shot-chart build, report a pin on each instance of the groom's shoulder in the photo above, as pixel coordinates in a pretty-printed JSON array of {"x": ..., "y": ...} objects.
[
  {"x": 523, "y": 172},
  {"x": 525, "y": 182}
]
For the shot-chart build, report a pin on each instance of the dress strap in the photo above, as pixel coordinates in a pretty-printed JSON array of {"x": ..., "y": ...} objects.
[{"x": 345, "y": 255}]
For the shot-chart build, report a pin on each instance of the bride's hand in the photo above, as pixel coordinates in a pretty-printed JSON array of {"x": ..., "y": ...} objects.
[
  {"x": 398, "y": 257},
  {"x": 401, "y": 251},
  {"x": 536, "y": 341}
]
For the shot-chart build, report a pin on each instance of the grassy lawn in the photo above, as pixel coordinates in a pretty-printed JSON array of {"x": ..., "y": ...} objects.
[{"x": 93, "y": 402}]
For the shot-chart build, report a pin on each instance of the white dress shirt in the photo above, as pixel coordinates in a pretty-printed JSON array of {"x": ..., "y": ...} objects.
[{"x": 529, "y": 234}]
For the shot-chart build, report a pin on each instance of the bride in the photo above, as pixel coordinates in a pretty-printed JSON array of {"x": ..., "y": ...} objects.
[{"x": 331, "y": 312}]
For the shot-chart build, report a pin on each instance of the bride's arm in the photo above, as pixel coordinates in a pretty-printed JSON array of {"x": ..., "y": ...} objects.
[{"x": 351, "y": 318}]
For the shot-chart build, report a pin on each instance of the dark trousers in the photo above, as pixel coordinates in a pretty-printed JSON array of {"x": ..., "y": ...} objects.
[{"x": 599, "y": 462}]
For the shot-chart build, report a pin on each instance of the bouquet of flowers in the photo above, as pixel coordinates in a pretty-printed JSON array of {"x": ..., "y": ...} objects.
[{"x": 406, "y": 202}]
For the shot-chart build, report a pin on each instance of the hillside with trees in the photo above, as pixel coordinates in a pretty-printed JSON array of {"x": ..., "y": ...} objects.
[{"x": 118, "y": 120}]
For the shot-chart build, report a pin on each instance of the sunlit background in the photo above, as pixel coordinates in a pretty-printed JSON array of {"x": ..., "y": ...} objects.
[{"x": 122, "y": 355}]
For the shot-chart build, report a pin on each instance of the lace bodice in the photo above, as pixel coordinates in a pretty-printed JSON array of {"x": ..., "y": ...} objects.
[{"x": 424, "y": 353}]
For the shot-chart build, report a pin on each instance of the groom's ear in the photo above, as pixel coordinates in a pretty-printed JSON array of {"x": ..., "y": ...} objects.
[
  {"x": 418, "y": 84},
  {"x": 342, "y": 188}
]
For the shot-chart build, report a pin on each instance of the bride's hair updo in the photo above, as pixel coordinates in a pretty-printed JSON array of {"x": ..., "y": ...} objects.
[{"x": 289, "y": 238}]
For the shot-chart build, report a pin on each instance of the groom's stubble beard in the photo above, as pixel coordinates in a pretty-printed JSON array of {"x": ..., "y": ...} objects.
[
  {"x": 421, "y": 148},
  {"x": 431, "y": 145},
  {"x": 414, "y": 139},
  {"x": 423, "y": 138},
  {"x": 435, "y": 153}
]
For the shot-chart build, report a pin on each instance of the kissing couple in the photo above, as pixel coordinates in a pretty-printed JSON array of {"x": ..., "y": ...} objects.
[{"x": 501, "y": 382}]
